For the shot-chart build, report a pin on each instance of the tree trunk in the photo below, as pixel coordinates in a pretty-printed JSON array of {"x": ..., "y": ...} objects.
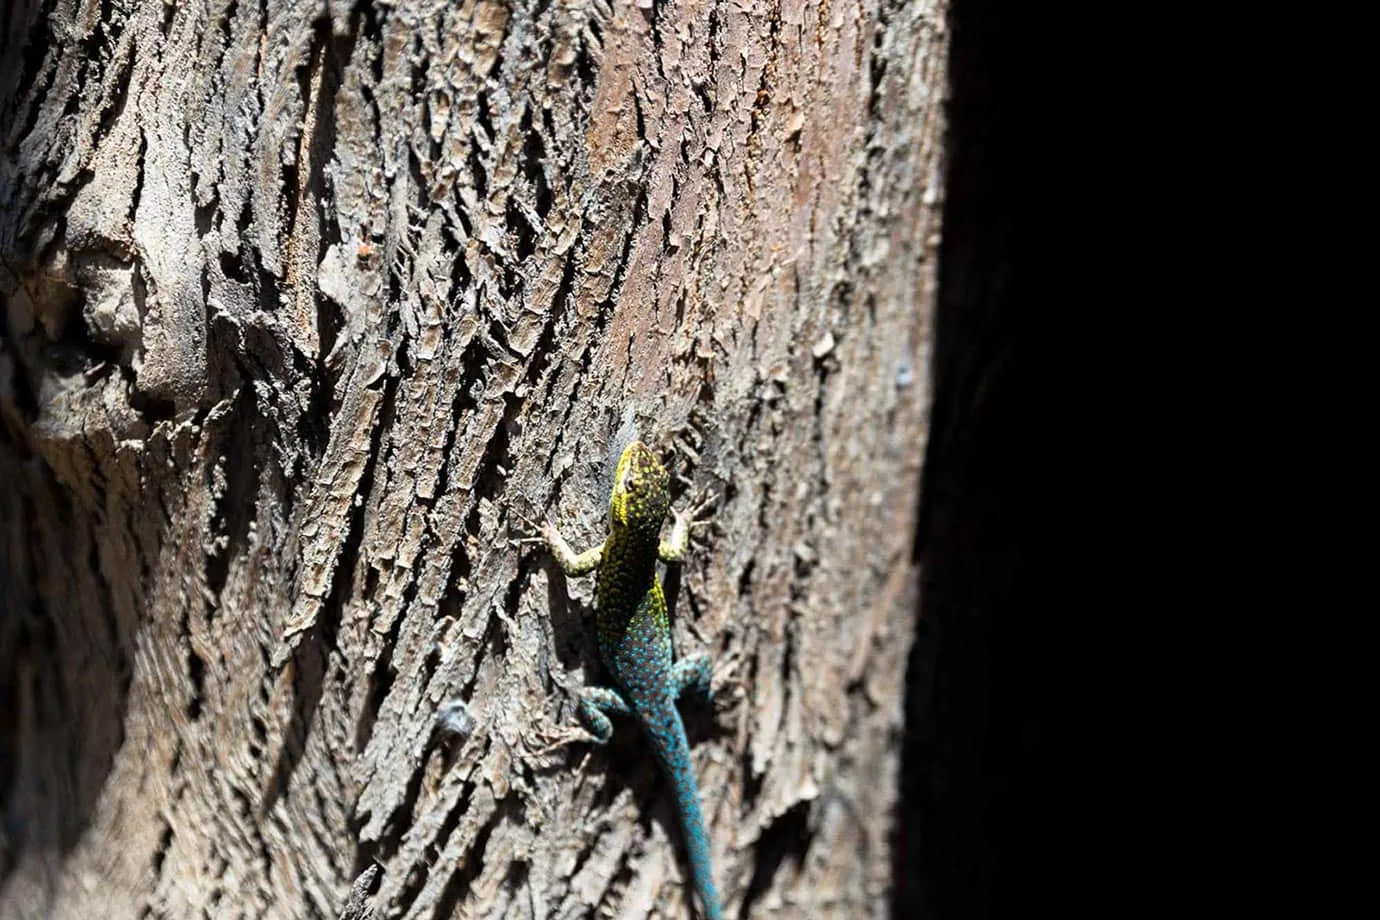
[{"x": 306, "y": 303}]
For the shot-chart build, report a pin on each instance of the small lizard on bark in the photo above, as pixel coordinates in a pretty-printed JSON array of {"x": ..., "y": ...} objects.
[{"x": 634, "y": 637}]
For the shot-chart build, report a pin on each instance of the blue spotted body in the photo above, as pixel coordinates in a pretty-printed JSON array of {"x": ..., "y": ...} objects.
[{"x": 634, "y": 638}]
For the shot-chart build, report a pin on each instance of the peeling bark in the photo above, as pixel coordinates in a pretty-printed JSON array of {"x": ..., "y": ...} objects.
[{"x": 305, "y": 302}]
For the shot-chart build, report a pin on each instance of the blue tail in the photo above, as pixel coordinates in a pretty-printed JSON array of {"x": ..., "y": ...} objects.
[{"x": 667, "y": 734}]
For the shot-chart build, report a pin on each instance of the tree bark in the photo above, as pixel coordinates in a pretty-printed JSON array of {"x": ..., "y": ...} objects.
[{"x": 305, "y": 303}]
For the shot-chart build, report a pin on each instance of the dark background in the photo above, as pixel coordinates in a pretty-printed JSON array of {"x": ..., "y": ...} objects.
[{"x": 997, "y": 785}]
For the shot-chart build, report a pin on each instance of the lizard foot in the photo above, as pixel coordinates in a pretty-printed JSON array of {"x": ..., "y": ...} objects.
[
  {"x": 553, "y": 739},
  {"x": 693, "y": 672},
  {"x": 534, "y": 535},
  {"x": 595, "y": 702}
]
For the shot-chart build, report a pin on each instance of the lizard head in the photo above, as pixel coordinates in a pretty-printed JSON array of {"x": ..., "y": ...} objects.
[{"x": 640, "y": 497}]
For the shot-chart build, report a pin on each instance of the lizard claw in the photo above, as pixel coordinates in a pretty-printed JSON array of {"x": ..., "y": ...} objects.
[
  {"x": 554, "y": 739},
  {"x": 708, "y": 498},
  {"x": 535, "y": 533},
  {"x": 700, "y": 501}
]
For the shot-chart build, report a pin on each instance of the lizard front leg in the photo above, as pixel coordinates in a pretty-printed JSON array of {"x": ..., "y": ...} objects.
[
  {"x": 571, "y": 562},
  {"x": 673, "y": 550}
]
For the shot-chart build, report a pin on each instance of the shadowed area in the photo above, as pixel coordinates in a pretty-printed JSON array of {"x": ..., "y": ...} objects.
[{"x": 984, "y": 812}]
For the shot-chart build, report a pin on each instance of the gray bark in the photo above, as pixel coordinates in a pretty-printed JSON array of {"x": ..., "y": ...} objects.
[{"x": 303, "y": 302}]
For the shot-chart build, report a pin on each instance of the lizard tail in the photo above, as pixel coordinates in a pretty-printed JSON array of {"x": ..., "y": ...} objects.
[{"x": 673, "y": 750}]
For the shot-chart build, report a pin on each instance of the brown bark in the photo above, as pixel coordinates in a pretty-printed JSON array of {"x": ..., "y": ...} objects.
[{"x": 304, "y": 301}]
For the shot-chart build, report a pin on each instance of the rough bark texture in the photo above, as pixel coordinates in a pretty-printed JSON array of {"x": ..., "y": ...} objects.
[{"x": 304, "y": 301}]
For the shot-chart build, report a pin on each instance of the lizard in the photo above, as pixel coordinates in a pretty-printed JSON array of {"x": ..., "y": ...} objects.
[{"x": 634, "y": 637}]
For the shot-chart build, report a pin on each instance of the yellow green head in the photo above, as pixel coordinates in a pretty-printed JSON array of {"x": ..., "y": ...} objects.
[{"x": 640, "y": 490}]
